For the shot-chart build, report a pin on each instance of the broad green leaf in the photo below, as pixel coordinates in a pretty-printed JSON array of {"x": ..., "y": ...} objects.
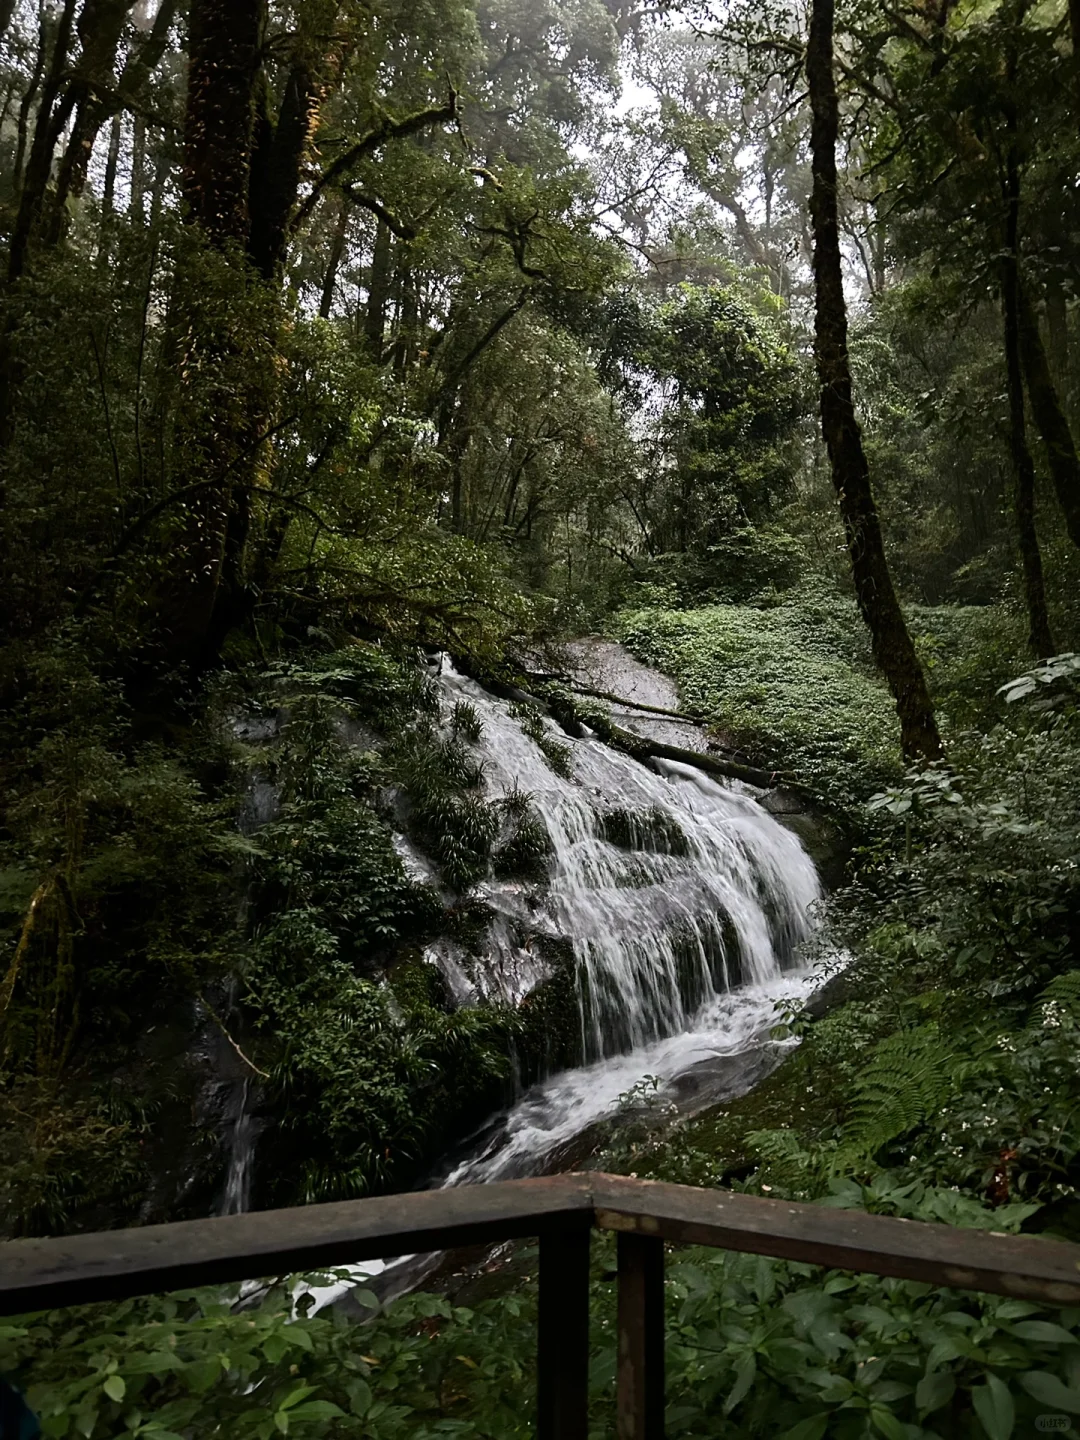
[
  {"x": 994, "y": 1407},
  {"x": 745, "y": 1370},
  {"x": 934, "y": 1390},
  {"x": 300, "y": 1393},
  {"x": 114, "y": 1387},
  {"x": 1049, "y": 1390},
  {"x": 812, "y": 1428},
  {"x": 885, "y": 1421},
  {"x": 316, "y": 1410},
  {"x": 359, "y": 1397},
  {"x": 1044, "y": 1332}
]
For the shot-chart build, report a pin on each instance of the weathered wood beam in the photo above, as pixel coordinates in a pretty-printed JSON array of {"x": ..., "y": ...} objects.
[
  {"x": 46, "y": 1273},
  {"x": 639, "y": 1410},
  {"x": 562, "y": 1376},
  {"x": 146, "y": 1260},
  {"x": 1023, "y": 1266}
]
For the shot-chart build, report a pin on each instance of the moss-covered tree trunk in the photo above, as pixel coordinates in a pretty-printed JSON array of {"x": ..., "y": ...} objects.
[
  {"x": 1050, "y": 416},
  {"x": 215, "y": 443},
  {"x": 1023, "y": 467},
  {"x": 892, "y": 644}
]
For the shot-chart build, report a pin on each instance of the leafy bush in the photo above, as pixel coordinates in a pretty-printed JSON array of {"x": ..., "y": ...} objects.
[
  {"x": 790, "y": 684},
  {"x": 775, "y": 1348}
]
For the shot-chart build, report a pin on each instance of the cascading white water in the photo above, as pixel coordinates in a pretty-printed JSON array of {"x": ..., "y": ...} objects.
[
  {"x": 236, "y": 1199},
  {"x": 685, "y": 936},
  {"x": 704, "y": 891}
]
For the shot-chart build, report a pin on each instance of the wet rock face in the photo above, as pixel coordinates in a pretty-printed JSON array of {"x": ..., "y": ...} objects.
[
  {"x": 609, "y": 668},
  {"x": 604, "y": 665},
  {"x": 649, "y": 932}
]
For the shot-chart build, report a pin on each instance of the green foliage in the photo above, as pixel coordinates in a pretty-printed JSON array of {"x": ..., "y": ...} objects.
[
  {"x": 533, "y": 724},
  {"x": 789, "y": 684},
  {"x": 770, "y": 1345},
  {"x": 356, "y": 1064},
  {"x": 448, "y": 810},
  {"x": 719, "y": 457}
]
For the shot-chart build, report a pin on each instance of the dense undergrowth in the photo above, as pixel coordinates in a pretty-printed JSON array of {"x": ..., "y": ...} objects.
[
  {"x": 943, "y": 1087},
  {"x": 239, "y": 878}
]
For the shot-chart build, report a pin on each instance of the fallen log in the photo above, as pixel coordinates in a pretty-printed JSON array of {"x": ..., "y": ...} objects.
[
  {"x": 636, "y": 705},
  {"x": 640, "y": 748}
]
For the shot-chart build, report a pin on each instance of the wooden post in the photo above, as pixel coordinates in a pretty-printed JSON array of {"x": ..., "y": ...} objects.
[
  {"x": 563, "y": 1340},
  {"x": 640, "y": 1410}
]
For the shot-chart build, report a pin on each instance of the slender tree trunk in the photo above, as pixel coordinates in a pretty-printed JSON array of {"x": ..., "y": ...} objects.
[
  {"x": 22, "y": 132},
  {"x": 333, "y": 264},
  {"x": 100, "y": 28},
  {"x": 1050, "y": 417},
  {"x": 108, "y": 192},
  {"x": 892, "y": 644},
  {"x": 408, "y": 309},
  {"x": 54, "y": 112},
  {"x": 137, "y": 207},
  {"x": 378, "y": 293},
  {"x": 1039, "y": 635}
]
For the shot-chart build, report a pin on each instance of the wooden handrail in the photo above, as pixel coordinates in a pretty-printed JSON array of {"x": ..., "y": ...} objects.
[
  {"x": 37, "y": 1274},
  {"x": 149, "y": 1259}
]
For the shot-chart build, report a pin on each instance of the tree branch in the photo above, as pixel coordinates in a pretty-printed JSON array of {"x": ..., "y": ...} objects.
[
  {"x": 387, "y": 129},
  {"x": 401, "y": 228}
]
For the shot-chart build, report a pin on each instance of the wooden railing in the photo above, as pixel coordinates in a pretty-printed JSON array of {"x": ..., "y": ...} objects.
[{"x": 561, "y": 1211}]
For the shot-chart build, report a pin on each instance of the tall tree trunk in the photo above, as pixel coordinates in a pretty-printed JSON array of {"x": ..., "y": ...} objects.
[
  {"x": 1049, "y": 416},
  {"x": 223, "y": 63},
  {"x": 1039, "y": 635},
  {"x": 892, "y": 644},
  {"x": 137, "y": 203},
  {"x": 101, "y": 98},
  {"x": 216, "y": 440},
  {"x": 333, "y": 264},
  {"x": 101, "y": 26},
  {"x": 378, "y": 293},
  {"x": 54, "y": 111},
  {"x": 108, "y": 191},
  {"x": 277, "y": 163},
  {"x": 22, "y": 131},
  {"x": 408, "y": 310}
]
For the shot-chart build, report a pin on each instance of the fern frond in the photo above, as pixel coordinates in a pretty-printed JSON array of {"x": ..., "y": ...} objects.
[
  {"x": 1064, "y": 992},
  {"x": 908, "y": 1078}
]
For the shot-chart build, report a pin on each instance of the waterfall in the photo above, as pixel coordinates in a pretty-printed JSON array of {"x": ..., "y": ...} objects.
[
  {"x": 236, "y": 1199},
  {"x": 684, "y": 903},
  {"x": 672, "y": 890}
]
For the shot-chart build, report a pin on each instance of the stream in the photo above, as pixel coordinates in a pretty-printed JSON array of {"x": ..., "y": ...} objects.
[{"x": 685, "y": 903}]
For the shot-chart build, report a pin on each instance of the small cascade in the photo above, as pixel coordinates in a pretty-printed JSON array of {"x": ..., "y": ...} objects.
[
  {"x": 672, "y": 890},
  {"x": 236, "y": 1197}
]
